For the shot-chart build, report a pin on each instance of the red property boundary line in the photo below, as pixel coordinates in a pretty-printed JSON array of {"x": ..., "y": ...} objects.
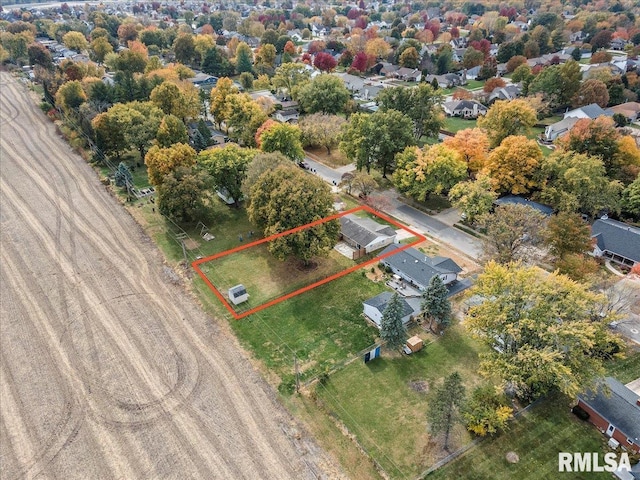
[{"x": 196, "y": 264}]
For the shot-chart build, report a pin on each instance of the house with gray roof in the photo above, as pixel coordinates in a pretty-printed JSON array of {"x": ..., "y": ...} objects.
[
  {"x": 571, "y": 117},
  {"x": 615, "y": 410},
  {"x": 364, "y": 234},
  {"x": 617, "y": 241},
  {"x": 464, "y": 108},
  {"x": 556, "y": 130},
  {"x": 508, "y": 92},
  {"x": 546, "y": 210},
  {"x": 591, "y": 111},
  {"x": 374, "y": 308},
  {"x": 417, "y": 269}
]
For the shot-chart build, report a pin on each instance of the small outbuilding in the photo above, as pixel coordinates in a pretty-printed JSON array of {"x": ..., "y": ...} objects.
[
  {"x": 415, "y": 344},
  {"x": 238, "y": 294}
]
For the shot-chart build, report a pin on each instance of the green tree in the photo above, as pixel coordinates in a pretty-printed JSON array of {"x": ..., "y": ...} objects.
[
  {"x": 435, "y": 303},
  {"x": 202, "y": 136},
  {"x": 544, "y": 331},
  {"x": 183, "y": 194},
  {"x": 374, "y": 140},
  {"x": 320, "y": 130},
  {"x": 261, "y": 163},
  {"x": 40, "y": 55},
  {"x": 100, "y": 48},
  {"x": 283, "y": 138},
  {"x": 244, "y": 58},
  {"x": 511, "y": 233},
  {"x": 245, "y": 118},
  {"x": 109, "y": 133},
  {"x": 182, "y": 100},
  {"x": 435, "y": 169},
  {"x": 506, "y": 118},
  {"x": 392, "y": 331},
  {"x": 325, "y": 94},
  {"x": 290, "y": 75},
  {"x": 420, "y": 103},
  {"x": 410, "y": 58},
  {"x": 566, "y": 233},
  {"x": 184, "y": 48},
  {"x": 473, "y": 198},
  {"x": 631, "y": 198},
  {"x": 138, "y": 122},
  {"x": 286, "y": 198},
  {"x": 227, "y": 168},
  {"x": 445, "y": 406},
  {"x": 216, "y": 63},
  {"x": 486, "y": 412},
  {"x": 161, "y": 161},
  {"x": 123, "y": 175},
  {"x": 265, "y": 59},
  {"x": 70, "y": 96},
  {"x": 171, "y": 131},
  {"x": 572, "y": 182}
]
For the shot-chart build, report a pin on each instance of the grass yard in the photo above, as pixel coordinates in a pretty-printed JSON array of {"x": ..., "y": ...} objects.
[
  {"x": 383, "y": 405},
  {"x": 455, "y": 124},
  {"x": 323, "y": 327},
  {"x": 337, "y": 159},
  {"x": 267, "y": 278},
  {"x": 536, "y": 436}
]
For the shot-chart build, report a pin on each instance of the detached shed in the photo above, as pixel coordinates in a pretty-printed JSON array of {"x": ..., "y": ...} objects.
[
  {"x": 415, "y": 344},
  {"x": 238, "y": 294}
]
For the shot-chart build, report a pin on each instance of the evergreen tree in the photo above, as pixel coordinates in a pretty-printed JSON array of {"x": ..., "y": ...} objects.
[
  {"x": 393, "y": 331},
  {"x": 435, "y": 303},
  {"x": 244, "y": 58},
  {"x": 123, "y": 175},
  {"x": 444, "y": 409}
]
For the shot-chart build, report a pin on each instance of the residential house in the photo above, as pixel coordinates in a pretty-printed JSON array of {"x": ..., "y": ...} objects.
[
  {"x": 631, "y": 110},
  {"x": 448, "y": 80},
  {"x": 472, "y": 73},
  {"x": 556, "y": 130},
  {"x": 464, "y": 108},
  {"x": 204, "y": 80},
  {"x": 509, "y": 92},
  {"x": 615, "y": 410},
  {"x": 408, "y": 74},
  {"x": 591, "y": 111},
  {"x": 546, "y": 210},
  {"x": 576, "y": 36},
  {"x": 617, "y": 241},
  {"x": 618, "y": 43},
  {"x": 287, "y": 116},
  {"x": 365, "y": 235},
  {"x": 589, "y": 70},
  {"x": 388, "y": 69},
  {"x": 361, "y": 88},
  {"x": 374, "y": 308},
  {"x": 418, "y": 269}
]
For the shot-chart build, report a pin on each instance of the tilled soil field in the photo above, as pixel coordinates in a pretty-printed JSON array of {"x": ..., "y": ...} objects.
[{"x": 108, "y": 368}]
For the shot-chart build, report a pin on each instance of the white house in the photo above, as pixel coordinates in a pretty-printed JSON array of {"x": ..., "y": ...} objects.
[
  {"x": 238, "y": 294},
  {"x": 617, "y": 241},
  {"x": 375, "y": 307}
]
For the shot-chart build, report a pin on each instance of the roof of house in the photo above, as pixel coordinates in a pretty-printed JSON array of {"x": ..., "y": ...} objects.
[
  {"x": 563, "y": 125},
  {"x": 618, "y": 406},
  {"x": 237, "y": 290},
  {"x": 626, "y": 108},
  {"x": 593, "y": 111},
  {"x": 617, "y": 237},
  {"x": 518, "y": 200},
  {"x": 380, "y": 302},
  {"x": 418, "y": 266},
  {"x": 456, "y": 105},
  {"x": 363, "y": 230}
]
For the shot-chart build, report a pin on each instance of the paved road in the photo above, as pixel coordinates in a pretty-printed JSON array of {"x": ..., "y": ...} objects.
[
  {"x": 108, "y": 368},
  {"x": 328, "y": 174}
]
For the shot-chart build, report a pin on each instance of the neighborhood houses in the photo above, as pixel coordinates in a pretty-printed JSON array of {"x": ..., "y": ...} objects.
[{"x": 455, "y": 187}]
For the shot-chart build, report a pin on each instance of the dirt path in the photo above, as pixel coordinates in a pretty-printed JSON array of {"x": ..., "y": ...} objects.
[{"x": 107, "y": 368}]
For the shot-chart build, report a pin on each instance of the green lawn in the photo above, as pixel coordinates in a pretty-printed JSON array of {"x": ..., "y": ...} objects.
[
  {"x": 379, "y": 403},
  {"x": 323, "y": 327},
  {"x": 455, "y": 124},
  {"x": 536, "y": 436}
]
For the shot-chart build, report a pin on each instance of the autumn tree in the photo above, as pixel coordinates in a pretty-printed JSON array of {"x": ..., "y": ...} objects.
[
  {"x": 227, "y": 168},
  {"x": 161, "y": 161},
  {"x": 373, "y": 140},
  {"x": 325, "y": 94},
  {"x": 286, "y": 198},
  {"x": 75, "y": 41},
  {"x": 70, "y": 96},
  {"x": 445, "y": 406},
  {"x": 283, "y": 138},
  {"x": 180, "y": 100},
  {"x": 512, "y": 231},
  {"x": 324, "y": 62},
  {"x": 410, "y": 58},
  {"x": 219, "y": 100},
  {"x": 591, "y": 91},
  {"x": 364, "y": 183},
  {"x": 513, "y": 164},
  {"x": 573, "y": 182},
  {"x": 392, "y": 330},
  {"x": 435, "y": 303},
  {"x": 473, "y": 146},
  {"x": 473, "y": 198},
  {"x": 40, "y": 55},
  {"x": 321, "y": 130},
  {"x": 487, "y": 412},
  {"x": 183, "y": 194},
  {"x": 290, "y": 75},
  {"x": 506, "y": 118},
  {"x": 567, "y": 233},
  {"x": 543, "y": 330},
  {"x": 244, "y": 119},
  {"x": 171, "y": 131},
  {"x": 493, "y": 83},
  {"x": 435, "y": 169},
  {"x": 420, "y": 103}
]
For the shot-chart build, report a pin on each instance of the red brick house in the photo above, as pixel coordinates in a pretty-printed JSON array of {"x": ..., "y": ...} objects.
[{"x": 616, "y": 412}]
